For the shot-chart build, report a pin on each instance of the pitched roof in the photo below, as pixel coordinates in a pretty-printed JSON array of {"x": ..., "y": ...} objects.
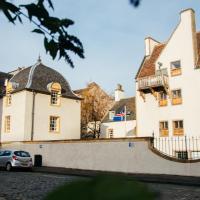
[
  {"x": 119, "y": 106},
  {"x": 3, "y": 77},
  {"x": 148, "y": 64},
  {"x": 37, "y": 77}
]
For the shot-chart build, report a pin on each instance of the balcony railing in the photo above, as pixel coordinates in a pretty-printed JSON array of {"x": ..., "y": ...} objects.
[{"x": 153, "y": 82}]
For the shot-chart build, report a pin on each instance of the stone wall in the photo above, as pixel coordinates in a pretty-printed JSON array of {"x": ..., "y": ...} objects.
[{"x": 116, "y": 155}]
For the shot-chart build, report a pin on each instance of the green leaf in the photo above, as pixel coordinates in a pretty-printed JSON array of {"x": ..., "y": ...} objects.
[
  {"x": 50, "y": 4},
  {"x": 38, "y": 31},
  {"x": 46, "y": 44},
  {"x": 66, "y": 22},
  {"x": 53, "y": 48},
  {"x": 8, "y": 15},
  {"x": 19, "y": 18}
]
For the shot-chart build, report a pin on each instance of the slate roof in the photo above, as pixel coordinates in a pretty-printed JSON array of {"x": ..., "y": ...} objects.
[
  {"x": 37, "y": 77},
  {"x": 3, "y": 77},
  {"x": 147, "y": 67},
  {"x": 119, "y": 106}
]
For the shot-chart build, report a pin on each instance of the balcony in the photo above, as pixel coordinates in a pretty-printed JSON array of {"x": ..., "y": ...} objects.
[{"x": 155, "y": 82}]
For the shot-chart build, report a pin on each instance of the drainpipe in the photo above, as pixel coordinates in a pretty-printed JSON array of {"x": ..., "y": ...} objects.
[{"x": 33, "y": 116}]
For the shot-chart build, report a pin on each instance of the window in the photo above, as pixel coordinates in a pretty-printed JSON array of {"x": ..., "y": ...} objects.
[
  {"x": 22, "y": 153},
  {"x": 164, "y": 128},
  {"x": 178, "y": 127},
  {"x": 54, "y": 125},
  {"x": 195, "y": 154},
  {"x": 162, "y": 99},
  {"x": 8, "y": 99},
  {"x": 176, "y": 97},
  {"x": 110, "y": 133},
  {"x": 55, "y": 89},
  {"x": 7, "y": 124},
  {"x": 182, "y": 155},
  {"x": 176, "y": 68},
  {"x": 54, "y": 98}
]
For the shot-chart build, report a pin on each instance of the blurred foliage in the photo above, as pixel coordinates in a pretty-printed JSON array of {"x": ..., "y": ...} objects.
[
  {"x": 103, "y": 188},
  {"x": 135, "y": 3},
  {"x": 57, "y": 41}
]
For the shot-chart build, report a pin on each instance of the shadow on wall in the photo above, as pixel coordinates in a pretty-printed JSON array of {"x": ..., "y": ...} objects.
[{"x": 131, "y": 133}]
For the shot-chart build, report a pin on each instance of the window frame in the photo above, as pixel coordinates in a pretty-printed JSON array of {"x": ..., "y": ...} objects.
[
  {"x": 177, "y": 100},
  {"x": 178, "y": 131},
  {"x": 162, "y": 101},
  {"x": 8, "y": 99},
  {"x": 56, "y": 98},
  {"x": 164, "y": 132},
  {"x": 175, "y": 71},
  {"x": 55, "y": 88},
  {"x": 57, "y": 124},
  {"x": 6, "y": 124},
  {"x": 110, "y": 130}
]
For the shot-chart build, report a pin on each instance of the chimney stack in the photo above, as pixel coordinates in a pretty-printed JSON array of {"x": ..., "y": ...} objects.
[
  {"x": 188, "y": 20},
  {"x": 150, "y": 43},
  {"x": 119, "y": 93}
]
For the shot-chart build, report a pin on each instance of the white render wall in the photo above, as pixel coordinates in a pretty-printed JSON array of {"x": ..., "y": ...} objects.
[
  {"x": 69, "y": 113},
  {"x": 179, "y": 47},
  {"x": 1, "y": 107},
  {"x": 120, "y": 129},
  {"x": 17, "y": 113},
  {"x": 122, "y": 155},
  {"x": 21, "y": 118}
]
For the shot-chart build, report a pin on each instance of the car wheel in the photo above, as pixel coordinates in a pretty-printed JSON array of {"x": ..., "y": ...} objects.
[{"x": 8, "y": 167}]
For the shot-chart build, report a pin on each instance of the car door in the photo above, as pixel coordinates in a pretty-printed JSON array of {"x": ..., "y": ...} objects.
[
  {"x": 1, "y": 158},
  {"x": 5, "y": 157}
]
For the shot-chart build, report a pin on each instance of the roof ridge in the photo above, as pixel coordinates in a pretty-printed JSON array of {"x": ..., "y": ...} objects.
[
  {"x": 30, "y": 76},
  {"x": 16, "y": 73}
]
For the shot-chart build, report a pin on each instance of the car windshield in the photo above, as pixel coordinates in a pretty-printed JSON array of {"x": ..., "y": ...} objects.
[{"x": 22, "y": 153}]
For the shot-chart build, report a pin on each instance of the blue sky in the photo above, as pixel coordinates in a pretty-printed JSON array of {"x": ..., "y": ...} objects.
[{"x": 112, "y": 32}]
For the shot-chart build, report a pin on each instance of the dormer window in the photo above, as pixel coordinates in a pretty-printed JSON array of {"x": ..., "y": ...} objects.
[
  {"x": 54, "y": 98},
  {"x": 55, "y": 90},
  {"x": 176, "y": 68}
]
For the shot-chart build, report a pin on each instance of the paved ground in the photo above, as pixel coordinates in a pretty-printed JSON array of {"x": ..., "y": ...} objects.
[{"x": 32, "y": 186}]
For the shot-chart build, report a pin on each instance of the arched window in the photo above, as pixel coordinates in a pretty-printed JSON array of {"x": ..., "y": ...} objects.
[{"x": 55, "y": 89}]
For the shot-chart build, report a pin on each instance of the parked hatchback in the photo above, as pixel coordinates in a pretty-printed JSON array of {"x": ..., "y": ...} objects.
[{"x": 15, "y": 159}]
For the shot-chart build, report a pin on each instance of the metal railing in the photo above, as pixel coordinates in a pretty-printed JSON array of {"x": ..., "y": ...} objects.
[
  {"x": 153, "y": 81},
  {"x": 182, "y": 147}
]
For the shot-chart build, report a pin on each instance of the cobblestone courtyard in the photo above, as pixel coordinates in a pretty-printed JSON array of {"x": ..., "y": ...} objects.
[{"x": 30, "y": 186}]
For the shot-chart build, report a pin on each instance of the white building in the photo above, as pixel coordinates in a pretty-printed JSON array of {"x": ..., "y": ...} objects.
[
  {"x": 115, "y": 126},
  {"x": 38, "y": 104},
  {"x": 168, "y": 83}
]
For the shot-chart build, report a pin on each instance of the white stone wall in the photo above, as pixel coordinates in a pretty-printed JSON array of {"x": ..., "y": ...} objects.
[
  {"x": 120, "y": 129},
  {"x": 21, "y": 118},
  {"x": 1, "y": 107},
  {"x": 69, "y": 113},
  {"x": 129, "y": 156},
  {"x": 181, "y": 46},
  {"x": 17, "y": 112}
]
